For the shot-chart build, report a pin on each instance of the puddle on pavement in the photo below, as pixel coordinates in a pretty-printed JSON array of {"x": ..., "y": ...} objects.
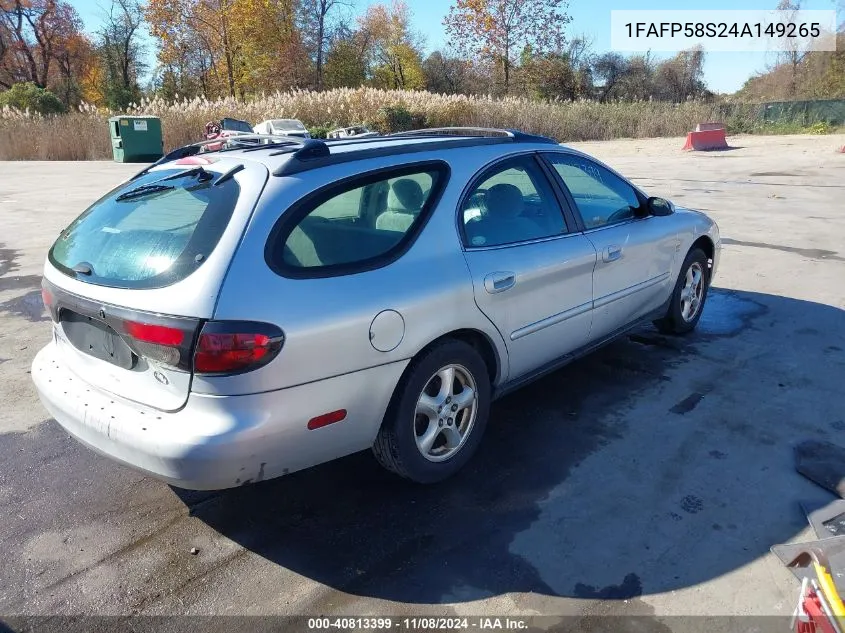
[
  {"x": 23, "y": 282},
  {"x": 8, "y": 257},
  {"x": 29, "y": 306},
  {"x": 727, "y": 313}
]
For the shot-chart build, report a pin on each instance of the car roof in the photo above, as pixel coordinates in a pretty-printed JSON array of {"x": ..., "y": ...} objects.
[
  {"x": 311, "y": 154},
  {"x": 289, "y": 156}
]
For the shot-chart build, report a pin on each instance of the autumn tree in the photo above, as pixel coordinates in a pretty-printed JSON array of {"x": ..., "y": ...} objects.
[
  {"x": 346, "y": 60},
  {"x": 76, "y": 63},
  {"x": 564, "y": 74},
  {"x": 449, "y": 74},
  {"x": 33, "y": 33},
  {"x": 200, "y": 29},
  {"x": 501, "y": 29},
  {"x": 394, "y": 48},
  {"x": 238, "y": 47}
]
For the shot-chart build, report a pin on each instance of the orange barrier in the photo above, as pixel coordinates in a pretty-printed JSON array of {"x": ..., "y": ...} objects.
[{"x": 706, "y": 140}]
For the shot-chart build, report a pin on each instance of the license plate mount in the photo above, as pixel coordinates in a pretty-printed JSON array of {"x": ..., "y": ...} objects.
[{"x": 95, "y": 338}]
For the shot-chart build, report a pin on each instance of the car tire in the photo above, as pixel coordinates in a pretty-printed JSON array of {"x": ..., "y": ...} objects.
[
  {"x": 681, "y": 316},
  {"x": 421, "y": 435}
]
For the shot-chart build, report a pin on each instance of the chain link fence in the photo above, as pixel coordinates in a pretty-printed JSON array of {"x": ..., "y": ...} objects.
[{"x": 830, "y": 111}]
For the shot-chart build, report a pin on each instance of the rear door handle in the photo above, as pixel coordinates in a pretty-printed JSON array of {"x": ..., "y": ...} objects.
[
  {"x": 612, "y": 253},
  {"x": 499, "y": 281}
]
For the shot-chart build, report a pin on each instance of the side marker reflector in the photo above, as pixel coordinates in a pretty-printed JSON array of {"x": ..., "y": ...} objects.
[{"x": 326, "y": 419}]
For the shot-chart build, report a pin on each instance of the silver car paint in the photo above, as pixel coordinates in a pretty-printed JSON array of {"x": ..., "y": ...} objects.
[
  {"x": 224, "y": 436},
  {"x": 212, "y": 442},
  {"x": 191, "y": 297},
  {"x": 195, "y": 295}
]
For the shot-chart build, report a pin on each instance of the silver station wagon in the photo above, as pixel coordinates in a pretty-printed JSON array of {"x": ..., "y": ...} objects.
[{"x": 234, "y": 315}]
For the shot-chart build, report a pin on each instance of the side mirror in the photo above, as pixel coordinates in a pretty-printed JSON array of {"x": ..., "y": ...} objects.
[{"x": 660, "y": 206}]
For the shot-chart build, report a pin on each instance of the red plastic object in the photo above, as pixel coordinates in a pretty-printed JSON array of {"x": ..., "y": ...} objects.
[
  {"x": 819, "y": 620},
  {"x": 706, "y": 140},
  {"x": 326, "y": 419},
  {"x": 195, "y": 160},
  {"x": 841, "y": 150}
]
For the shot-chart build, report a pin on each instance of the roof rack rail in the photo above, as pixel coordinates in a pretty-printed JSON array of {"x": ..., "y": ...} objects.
[
  {"x": 307, "y": 158},
  {"x": 236, "y": 141},
  {"x": 515, "y": 135}
]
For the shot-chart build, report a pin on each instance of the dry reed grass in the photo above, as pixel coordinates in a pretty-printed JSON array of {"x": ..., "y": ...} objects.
[{"x": 84, "y": 135}]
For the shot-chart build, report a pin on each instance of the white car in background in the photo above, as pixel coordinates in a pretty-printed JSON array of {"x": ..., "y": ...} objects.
[
  {"x": 354, "y": 131},
  {"x": 284, "y": 127}
]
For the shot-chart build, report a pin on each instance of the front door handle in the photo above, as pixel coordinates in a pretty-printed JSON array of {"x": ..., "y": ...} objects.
[
  {"x": 499, "y": 282},
  {"x": 611, "y": 253}
]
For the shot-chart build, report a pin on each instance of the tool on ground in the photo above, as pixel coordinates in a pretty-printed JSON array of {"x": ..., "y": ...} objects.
[{"x": 820, "y": 609}]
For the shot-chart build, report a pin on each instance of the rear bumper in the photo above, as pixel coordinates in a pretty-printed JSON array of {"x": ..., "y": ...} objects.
[{"x": 217, "y": 442}]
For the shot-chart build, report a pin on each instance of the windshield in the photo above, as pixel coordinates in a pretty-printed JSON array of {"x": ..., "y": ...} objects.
[
  {"x": 150, "y": 232},
  {"x": 236, "y": 125},
  {"x": 290, "y": 124}
]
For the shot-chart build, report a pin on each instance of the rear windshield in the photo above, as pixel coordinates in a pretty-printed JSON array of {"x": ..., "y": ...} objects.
[
  {"x": 148, "y": 233},
  {"x": 236, "y": 125}
]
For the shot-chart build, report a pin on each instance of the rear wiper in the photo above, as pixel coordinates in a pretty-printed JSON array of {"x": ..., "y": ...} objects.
[
  {"x": 155, "y": 187},
  {"x": 144, "y": 190},
  {"x": 83, "y": 268},
  {"x": 195, "y": 171}
]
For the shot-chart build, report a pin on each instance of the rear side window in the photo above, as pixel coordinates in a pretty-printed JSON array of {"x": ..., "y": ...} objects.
[
  {"x": 359, "y": 224},
  {"x": 148, "y": 233}
]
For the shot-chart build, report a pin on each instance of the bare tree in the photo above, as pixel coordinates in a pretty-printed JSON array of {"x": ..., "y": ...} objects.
[
  {"x": 610, "y": 68},
  {"x": 316, "y": 27},
  {"x": 122, "y": 52},
  {"x": 793, "y": 56}
]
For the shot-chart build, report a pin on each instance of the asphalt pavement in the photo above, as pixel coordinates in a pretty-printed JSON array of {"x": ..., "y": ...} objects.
[{"x": 648, "y": 479}]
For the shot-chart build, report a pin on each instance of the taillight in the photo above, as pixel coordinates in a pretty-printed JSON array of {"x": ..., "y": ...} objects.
[
  {"x": 48, "y": 299},
  {"x": 161, "y": 343},
  {"x": 227, "y": 347},
  {"x": 151, "y": 333}
]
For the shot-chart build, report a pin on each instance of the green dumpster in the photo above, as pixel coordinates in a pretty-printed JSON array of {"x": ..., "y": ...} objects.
[{"x": 136, "y": 139}]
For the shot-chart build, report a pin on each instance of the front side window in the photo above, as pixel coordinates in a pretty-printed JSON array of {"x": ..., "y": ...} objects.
[
  {"x": 358, "y": 223},
  {"x": 602, "y": 197},
  {"x": 512, "y": 203}
]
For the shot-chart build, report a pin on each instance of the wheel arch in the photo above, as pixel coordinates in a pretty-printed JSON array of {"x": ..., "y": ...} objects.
[
  {"x": 705, "y": 244},
  {"x": 481, "y": 343}
]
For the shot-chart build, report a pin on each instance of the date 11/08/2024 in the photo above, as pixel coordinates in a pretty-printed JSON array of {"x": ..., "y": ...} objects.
[{"x": 418, "y": 623}]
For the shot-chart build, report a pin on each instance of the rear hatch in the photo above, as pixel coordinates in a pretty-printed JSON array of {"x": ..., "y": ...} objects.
[{"x": 132, "y": 281}]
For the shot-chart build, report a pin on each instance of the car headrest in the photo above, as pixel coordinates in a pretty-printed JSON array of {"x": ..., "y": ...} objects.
[
  {"x": 406, "y": 194},
  {"x": 504, "y": 200}
]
